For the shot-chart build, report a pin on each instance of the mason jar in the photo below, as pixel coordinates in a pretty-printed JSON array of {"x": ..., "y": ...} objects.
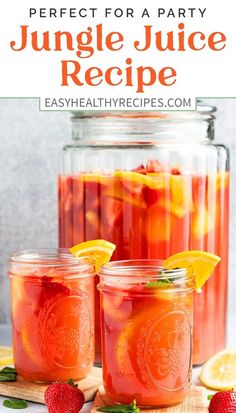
[
  {"x": 146, "y": 324},
  {"x": 154, "y": 184},
  {"x": 52, "y": 297}
]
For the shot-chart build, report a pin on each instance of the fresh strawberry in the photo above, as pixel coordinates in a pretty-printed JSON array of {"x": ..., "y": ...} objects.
[
  {"x": 63, "y": 398},
  {"x": 223, "y": 402}
]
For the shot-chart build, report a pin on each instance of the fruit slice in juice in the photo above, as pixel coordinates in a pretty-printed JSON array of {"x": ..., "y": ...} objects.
[
  {"x": 200, "y": 263},
  {"x": 99, "y": 249},
  {"x": 37, "y": 295},
  {"x": 141, "y": 311},
  {"x": 139, "y": 179},
  {"x": 112, "y": 306},
  {"x": 177, "y": 197}
]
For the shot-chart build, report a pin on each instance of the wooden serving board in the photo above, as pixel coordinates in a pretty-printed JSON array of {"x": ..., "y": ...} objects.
[
  {"x": 35, "y": 392},
  {"x": 196, "y": 402}
]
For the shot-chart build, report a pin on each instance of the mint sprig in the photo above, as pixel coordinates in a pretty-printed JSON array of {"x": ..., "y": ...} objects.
[
  {"x": 8, "y": 374},
  {"x": 15, "y": 403},
  {"x": 161, "y": 282},
  {"x": 120, "y": 408},
  {"x": 6, "y": 370},
  {"x": 7, "y": 377},
  {"x": 158, "y": 283}
]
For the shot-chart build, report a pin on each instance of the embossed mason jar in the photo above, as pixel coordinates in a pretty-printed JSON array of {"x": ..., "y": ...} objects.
[
  {"x": 146, "y": 321},
  {"x": 154, "y": 184},
  {"x": 52, "y": 296}
]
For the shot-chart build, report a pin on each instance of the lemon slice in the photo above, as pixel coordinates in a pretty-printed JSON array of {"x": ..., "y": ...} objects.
[
  {"x": 219, "y": 372},
  {"x": 201, "y": 264},
  {"x": 6, "y": 356},
  {"x": 138, "y": 178},
  {"x": 98, "y": 249}
]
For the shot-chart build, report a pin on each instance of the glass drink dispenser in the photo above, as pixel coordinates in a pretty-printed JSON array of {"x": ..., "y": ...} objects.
[{"x": 154, "y": 184}]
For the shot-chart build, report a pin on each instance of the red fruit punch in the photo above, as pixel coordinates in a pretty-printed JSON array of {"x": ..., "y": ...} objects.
[
  {"x": 63, "y": 398},
  {"x": 223, "y": 402},
  {"x": 153, "y": 212},
  {"x": 51, "y": 289}
]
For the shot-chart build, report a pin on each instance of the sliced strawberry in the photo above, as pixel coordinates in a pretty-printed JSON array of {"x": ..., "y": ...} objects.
[
  {"x": 51, "y": 289},
  {"x": 77, "y": 189},
  {"x": 111, "y": 214},
  {"x": 175, "y": 171},
  {"x": 150, "y": 196},
  {"x": 65, "y": 192},
  {"x": 154, "y": 166},
  {"x": 140, "y": 169},
  {"x": 133, "y": 188},
  {"x": 91, "y": 196},
  {"x": 137, "y": 289}
]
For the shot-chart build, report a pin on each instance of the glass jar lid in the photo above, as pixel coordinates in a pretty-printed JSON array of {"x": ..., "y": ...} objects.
[{"x": 144, "y": 127}]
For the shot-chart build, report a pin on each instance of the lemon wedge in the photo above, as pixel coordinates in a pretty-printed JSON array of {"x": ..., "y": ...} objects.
[
  {"x": 6, "y": 356},
  {"x": 200, "y": 263},
  {"x": 219, "y": 372},
  {"x": 98, "y": 249}
]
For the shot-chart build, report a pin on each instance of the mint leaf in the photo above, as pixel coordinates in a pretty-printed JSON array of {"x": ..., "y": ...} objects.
[
  {"x": 7, "y": 377},
  {"x": 209, "y": 397},
  {"x": 161, "y": 282},
  {"x": 8, "y": 374},
  {"x": 158, "y": 283},
  {"x": 15, "y": 403},
  {"x": 117, "y": 408},
  {"x": 8, "y": 370},
  {"x": 120, "y": 408}
]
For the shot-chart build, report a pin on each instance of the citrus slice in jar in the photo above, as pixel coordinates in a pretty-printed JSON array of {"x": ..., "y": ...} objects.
[
  {"x": 98, "y": 249},
  {"x": 127, "y": 339},
  {"x": 219, "y": 372},
  {"x": 6, "y": 356},
  {"x": 200, "y": 263},
  {"x": 29, "y": 351},
  {"x": 138, "y": 178}
]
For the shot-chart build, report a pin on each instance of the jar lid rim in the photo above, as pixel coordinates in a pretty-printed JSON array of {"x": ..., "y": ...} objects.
[
  {"x": 57, "y": 258},
  {"x": 203, "y": 110},
  {"x": 123, "y": 268},
  {"x": 149, "y": 273}
]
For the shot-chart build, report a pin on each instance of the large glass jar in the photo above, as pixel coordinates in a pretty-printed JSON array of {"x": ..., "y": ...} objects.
[{"x": 154, "y": 184}]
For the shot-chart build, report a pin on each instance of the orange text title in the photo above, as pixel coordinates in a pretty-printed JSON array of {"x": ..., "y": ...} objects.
[{"x": 96, "y": 40}]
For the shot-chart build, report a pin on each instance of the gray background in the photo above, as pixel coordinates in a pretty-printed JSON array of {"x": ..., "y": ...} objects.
[{"x": 30, "y": 142}]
